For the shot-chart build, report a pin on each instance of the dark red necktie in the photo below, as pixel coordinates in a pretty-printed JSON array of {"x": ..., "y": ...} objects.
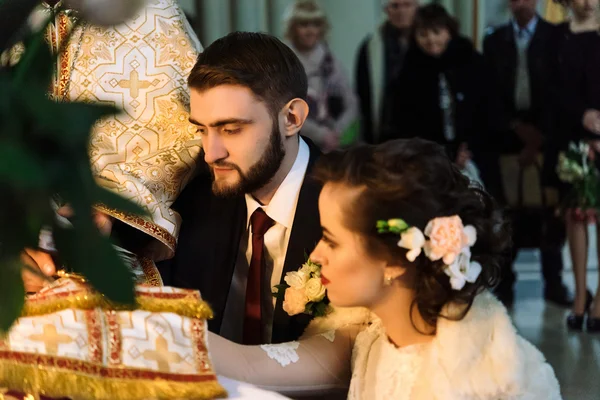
[{"x": 253, "y": 324}]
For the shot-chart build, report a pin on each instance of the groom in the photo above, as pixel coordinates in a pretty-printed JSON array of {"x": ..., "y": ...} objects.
[{"x": 251, "y": 213}]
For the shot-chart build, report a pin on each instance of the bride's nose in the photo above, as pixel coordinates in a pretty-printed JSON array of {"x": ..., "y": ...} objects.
[{"x": 316, "y": 255}]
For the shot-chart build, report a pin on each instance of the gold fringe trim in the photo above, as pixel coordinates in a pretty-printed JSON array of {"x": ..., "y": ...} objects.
[
  {"x": 188, "y": 306},
  {"x": 52, "y": 382}
]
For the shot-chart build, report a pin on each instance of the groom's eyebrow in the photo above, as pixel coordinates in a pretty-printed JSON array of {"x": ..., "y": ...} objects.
[
  {"x": 223, "y": 122},
  {"x": 193, "y": 121}
]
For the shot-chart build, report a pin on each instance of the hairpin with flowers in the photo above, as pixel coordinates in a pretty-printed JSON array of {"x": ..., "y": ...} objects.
[{"x": 444, "y": 238}]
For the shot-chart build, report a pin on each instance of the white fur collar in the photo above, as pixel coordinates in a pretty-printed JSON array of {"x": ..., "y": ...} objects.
[
  {"x": 478, "y": 354},
  {"x": 339, "y": 318},
  {"x": 478, "y": 357}
]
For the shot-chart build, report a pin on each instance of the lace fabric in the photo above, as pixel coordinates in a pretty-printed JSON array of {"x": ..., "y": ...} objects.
[
  {"x": 284, "y": 353},
  {"x": 329, "y": 335}
]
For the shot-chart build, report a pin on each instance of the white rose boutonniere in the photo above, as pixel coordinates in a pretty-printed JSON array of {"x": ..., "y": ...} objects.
[
  {"x": 303, "y": 291},
  {"x": 311, "y": 268},
  {"x": 314, "y": 289},
  {"x": 297, "y": 279},
  {"x": 294, "y": 301}
]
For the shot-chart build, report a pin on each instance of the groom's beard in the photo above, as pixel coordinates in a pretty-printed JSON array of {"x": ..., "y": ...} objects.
[{"x": 258, "y": 175}]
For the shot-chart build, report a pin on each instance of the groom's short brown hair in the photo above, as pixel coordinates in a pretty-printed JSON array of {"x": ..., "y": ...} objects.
[{"x": 258, "y": 61}]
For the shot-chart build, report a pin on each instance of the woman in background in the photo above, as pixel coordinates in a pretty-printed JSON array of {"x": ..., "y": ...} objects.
[
  {"x": 333, "y": 116},
  {"x": 578, "y": 119},
  {"x": 440, "y": 94}
]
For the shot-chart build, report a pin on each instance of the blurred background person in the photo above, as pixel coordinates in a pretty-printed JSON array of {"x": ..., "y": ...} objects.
[
  {"x": 519, "y": 57},
  {"x": 577, "y": 118},
  {"x": 333, "y": 116},
  {"x": 380, "y": 60},
  {"x": 440, "y": 93}
]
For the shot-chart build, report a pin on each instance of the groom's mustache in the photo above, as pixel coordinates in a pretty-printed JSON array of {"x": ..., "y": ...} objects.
[{"x": 225, "y": 164}]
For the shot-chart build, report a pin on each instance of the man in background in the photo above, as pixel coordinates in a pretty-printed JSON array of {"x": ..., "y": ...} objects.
[
  {"x": 380, "y": 59},
  {"x": 519, "y": 57}
]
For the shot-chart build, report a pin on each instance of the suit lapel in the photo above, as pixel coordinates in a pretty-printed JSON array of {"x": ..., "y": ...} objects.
[
  {"x": 228, "y": 219},
  {"x": 306, "y": 232},
  {"x": 208, "y": 243}
]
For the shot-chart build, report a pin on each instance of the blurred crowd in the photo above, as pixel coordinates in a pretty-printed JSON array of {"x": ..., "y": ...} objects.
[{"x": 503, "y": 114}]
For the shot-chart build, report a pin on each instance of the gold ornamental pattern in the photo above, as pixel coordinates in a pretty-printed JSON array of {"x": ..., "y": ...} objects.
[{"x": 146, "y": 153}]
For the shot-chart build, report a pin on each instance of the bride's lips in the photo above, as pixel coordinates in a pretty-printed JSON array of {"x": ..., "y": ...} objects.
[{"x": 324, "y": 280}]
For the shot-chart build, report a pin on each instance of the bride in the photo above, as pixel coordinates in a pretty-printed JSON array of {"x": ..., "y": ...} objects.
[{"x": 407, "y": 240}]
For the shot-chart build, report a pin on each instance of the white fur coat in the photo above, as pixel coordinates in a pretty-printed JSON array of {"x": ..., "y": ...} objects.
[{"x": 479, "y": 357}]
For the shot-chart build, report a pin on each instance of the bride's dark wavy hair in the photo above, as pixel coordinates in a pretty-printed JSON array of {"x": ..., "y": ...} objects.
[{"x": 413, "y": 179}]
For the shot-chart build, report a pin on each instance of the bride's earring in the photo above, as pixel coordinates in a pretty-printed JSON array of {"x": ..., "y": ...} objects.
[{"x": 392, "y": 273}]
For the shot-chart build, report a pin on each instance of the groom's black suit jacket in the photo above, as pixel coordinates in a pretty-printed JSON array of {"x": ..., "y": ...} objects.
[{"x": 209, "y": 242}]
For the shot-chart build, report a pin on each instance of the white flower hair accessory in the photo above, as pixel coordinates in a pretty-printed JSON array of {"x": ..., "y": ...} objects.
[{"x": 448, "y": 240}]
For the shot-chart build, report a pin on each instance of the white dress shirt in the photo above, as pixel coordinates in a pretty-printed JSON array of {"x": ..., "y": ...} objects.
[{"x": 282, "y": 210}]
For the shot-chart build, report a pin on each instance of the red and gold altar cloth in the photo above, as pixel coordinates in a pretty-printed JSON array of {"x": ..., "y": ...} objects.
[{"x": 73, "y": 343}]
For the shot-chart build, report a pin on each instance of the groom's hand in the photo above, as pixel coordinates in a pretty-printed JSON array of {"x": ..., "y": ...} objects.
[
  {"x": 40, "y": 261},
  {"x": 103, "y": 222}
]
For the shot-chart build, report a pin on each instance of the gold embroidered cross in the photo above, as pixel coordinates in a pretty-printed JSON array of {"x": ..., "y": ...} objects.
[
  {"x": 52, "y": 339},
  {"x": 134, "y": 84},
  {"x": 162, "y": 356}
]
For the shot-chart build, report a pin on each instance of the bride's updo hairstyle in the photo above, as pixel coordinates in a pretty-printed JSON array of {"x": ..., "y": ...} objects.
[{"x": 414, "y": 180}]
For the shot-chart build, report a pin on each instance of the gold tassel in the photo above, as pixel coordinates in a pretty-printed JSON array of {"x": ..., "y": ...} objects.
[{"x": 54, "y": 382}]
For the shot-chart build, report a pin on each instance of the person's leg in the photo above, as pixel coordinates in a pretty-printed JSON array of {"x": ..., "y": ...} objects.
[
  {"x": 593, "y": 320},
  {"x": 577, "y": 235},
  {"x": 595, "y": 312},
  {"x": 553, "y": 240}
]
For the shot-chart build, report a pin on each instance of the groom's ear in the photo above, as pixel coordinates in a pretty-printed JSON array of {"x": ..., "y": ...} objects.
[{"x": 292, "y": 117}]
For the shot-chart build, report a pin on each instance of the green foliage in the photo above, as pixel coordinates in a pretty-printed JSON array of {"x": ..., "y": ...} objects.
[
  {"x": 44, "y": 155},
  {"x": 319, "y": 309},
  {"x": 12, "y": 292},
  {"x": 279, "y": 293}
]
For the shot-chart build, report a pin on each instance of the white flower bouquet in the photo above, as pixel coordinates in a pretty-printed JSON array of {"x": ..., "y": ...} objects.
[
  {"x": 577, "y": 168},
  {"x": 303, "y": 291}
]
